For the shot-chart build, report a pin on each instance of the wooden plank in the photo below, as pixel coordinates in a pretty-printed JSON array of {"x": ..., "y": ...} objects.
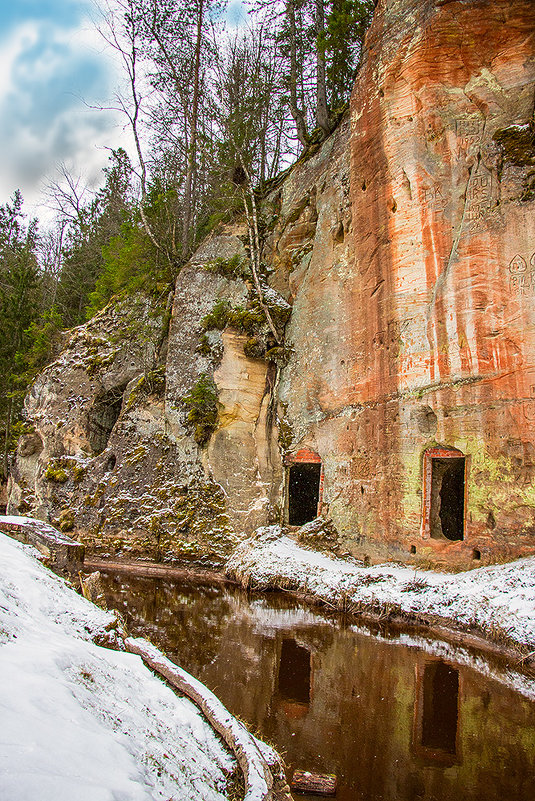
[{"x": 316, "y": 783}]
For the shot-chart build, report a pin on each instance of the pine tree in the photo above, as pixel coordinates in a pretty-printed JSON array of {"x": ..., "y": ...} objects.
[{"x": 19, "y": 308}]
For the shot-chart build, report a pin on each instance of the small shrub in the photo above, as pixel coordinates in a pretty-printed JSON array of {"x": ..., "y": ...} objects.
[
  {"x": 247, "y": 320},
  {"x": 223, "y": 315},
  {"x": 255, "y": 348},
  {"x": 416, "y": 585},
  {"x": 204, "y": 346},
  {"x": 203, "y": 408},
  {"x": 218, "y": 317},
  {"x": 235, "y": 267}
]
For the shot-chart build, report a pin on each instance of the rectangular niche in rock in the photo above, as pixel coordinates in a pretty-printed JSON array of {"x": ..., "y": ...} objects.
[{"x": 303, "y": 493}]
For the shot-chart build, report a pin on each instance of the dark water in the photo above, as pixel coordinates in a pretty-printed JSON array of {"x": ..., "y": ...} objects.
[{"x": 393, "y": 716}]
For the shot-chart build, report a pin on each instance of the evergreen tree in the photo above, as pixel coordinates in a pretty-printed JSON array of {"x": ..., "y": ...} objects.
[
  {"x": 321, "y": 43},
  {"x": 346, "y": 24},
  {"x": 19, "y": 308},
  {"x": 94, "y": 226}
]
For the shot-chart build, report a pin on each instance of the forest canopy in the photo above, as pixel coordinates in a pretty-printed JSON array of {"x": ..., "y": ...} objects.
[{"x": 215, "y": 113}]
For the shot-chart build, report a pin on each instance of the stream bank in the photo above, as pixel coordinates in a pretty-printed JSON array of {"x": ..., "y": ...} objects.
[
  {"x": 492, "y": 607},
  {"x": 395, "y": 715},
  {"x": 68, "y": 689}
]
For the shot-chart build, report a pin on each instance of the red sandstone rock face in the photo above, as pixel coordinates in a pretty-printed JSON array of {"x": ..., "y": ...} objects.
[{"x": 433, "y": 339}]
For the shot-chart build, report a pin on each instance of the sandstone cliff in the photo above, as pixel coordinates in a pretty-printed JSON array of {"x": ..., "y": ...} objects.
[{"x": 405, "y": 247}]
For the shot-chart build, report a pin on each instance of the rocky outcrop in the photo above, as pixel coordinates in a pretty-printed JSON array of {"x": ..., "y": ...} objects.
[
  {"x": 100, "y": 460},
  {"x": 412, "y": 325},
  {"x": 403, "y": 397}
]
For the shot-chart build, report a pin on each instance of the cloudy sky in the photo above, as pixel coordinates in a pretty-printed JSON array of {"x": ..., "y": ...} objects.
[{"x": 52, "y": 66}]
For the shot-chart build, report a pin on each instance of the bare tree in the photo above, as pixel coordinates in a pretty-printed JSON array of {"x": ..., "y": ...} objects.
[{"x": 120, "y": 27}]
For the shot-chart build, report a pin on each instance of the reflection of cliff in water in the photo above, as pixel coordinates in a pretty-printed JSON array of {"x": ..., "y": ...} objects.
[{"x": 392, "y": 722}]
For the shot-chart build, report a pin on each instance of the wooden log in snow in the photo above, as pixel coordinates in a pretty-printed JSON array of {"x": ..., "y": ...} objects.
[{"x": 257, "y": 774}]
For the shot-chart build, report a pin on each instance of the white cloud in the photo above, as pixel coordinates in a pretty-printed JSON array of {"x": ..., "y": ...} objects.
[{"x": 48, "y": 75}]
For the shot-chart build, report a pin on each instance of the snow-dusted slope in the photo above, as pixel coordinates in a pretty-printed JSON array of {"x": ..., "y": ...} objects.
[
  {"x": 499, "y": 600},
  {"x": 83, "y": 722}
]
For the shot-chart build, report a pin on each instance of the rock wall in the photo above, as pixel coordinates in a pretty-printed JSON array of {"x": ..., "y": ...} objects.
[
  {"x": 417, "y": 330},
  {"x": 100, "y": 460},
  {"x": 405, "y": 247}
]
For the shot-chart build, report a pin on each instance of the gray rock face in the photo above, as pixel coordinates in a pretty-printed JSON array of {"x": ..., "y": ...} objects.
[{"x": 111, "y": 455}]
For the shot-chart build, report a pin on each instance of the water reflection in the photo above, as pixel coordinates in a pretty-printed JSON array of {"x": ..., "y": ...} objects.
[
  {"x": 437, "y": 711},
  {"x": 388, "y": 720},
  {"x": 294, "y": 672},
  {"x": 440, "y": 713}
]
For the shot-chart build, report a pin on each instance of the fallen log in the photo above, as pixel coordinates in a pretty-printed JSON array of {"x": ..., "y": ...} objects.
[
  {"x": 255, "y": 768},
  {"x": 304, "y": 781}
]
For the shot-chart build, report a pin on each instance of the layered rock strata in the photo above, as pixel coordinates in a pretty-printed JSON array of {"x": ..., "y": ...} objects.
[
  {"x": 413, "y": 333},
  {"x": 405, "y": 391}
]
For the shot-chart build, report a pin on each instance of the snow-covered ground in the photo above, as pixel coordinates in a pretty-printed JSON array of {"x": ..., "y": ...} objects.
[
  {"x": 498, "y": 601},
  {"x": 82, "y": 722}
]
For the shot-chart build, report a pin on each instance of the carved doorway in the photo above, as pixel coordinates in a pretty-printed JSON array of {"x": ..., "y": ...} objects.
[
  {"x": 444, "y": 494},
  {"x": 304, "y": 487}
]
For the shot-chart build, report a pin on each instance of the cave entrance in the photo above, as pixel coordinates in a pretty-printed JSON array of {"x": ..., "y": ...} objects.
[
  {"x": 439, "y": 715},
  {"x": 444, "y": 494},
  {"x": 102, "y": 417},
  {"x": 303, "y": 493}
]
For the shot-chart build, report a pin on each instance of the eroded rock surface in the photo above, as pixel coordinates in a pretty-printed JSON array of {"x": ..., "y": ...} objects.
[
  {"x": 417, "y": 330},
  {"x": 405, "y": 247}
]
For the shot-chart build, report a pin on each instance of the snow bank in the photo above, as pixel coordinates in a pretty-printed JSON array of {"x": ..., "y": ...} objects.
[
  {"x": 80, "y": 721},
  {"x": 498, "y": 601},
  {"x": 257, "y": 775}
]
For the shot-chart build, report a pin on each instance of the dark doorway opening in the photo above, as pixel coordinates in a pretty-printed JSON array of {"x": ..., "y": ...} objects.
[
  {"x": 440, "y": 714},
  {"x": 294, "y": 672},
  {"x": 303, "y": 493},
  {"x": 102, "y": 417},
  {"x": 447, "y": 498}
]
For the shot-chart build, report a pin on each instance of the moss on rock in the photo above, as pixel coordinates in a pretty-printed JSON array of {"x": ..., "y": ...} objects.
[{"x": 203, "y": 408}]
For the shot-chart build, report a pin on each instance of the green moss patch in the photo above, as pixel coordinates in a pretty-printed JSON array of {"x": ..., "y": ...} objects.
[
  {"x": 236, "y": 267},
  {"x": 203, "y": 409},
  {"x": 223, "y": 315},
  {"x": 60, "y": 469}
]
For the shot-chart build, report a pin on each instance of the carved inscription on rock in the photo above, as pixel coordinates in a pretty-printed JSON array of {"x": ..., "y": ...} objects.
[
  {"x": 479, "y": 197},
  {"x": 433, "y": 197},
  {"x": 522, "y": 276},
  {"x": 469, "y": 134}
]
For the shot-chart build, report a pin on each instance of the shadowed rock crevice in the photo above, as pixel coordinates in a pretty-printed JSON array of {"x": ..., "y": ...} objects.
[{"x": 102, "y": 417}]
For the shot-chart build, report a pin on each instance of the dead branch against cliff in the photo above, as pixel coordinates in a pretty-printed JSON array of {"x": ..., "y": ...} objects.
[{"x": 254, "y": 246}]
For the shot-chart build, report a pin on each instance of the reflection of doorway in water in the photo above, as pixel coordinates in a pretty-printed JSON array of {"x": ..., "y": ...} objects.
[
  {"x": 294, "y": 672},
  {"x": 438, "y": 713}
]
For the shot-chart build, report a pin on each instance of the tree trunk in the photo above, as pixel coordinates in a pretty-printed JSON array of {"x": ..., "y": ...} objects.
[
  {"x": 322, "y": 112},
  {"x": 188, "y": 193},
  {"x": 5, "y": 460},
  {"x": 296, "y": 112}
]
